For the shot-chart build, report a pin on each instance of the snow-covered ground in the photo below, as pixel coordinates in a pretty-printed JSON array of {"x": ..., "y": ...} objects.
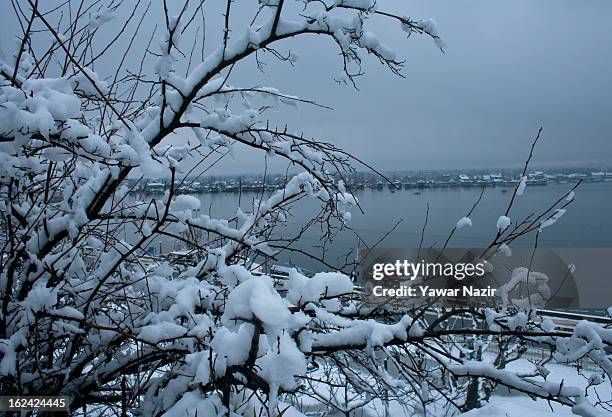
[
  {"x": 513, "y": 404},
  {"x": 503, "y": 403}
]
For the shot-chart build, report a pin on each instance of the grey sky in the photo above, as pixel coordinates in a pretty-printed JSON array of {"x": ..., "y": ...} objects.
[{"x": 509, "y": 68}]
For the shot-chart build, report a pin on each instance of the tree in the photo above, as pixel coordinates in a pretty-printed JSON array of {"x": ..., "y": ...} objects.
[{"x": 84, "y": 316}]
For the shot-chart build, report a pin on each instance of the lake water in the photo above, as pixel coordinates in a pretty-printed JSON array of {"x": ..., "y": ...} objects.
[{"x": 586, "y": 224}]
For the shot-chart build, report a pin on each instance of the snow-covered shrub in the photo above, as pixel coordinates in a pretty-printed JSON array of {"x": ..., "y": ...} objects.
[{"x": 85, "y": 315}]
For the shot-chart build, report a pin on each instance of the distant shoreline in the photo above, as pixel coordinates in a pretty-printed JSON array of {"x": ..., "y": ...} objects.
[{"x": 394, "y": 182}]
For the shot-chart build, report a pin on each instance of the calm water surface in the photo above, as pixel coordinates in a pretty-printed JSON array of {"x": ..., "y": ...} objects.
[{"x": 587, "y": 222}]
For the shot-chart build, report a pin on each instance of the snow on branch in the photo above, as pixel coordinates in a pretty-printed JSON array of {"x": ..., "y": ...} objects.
[{"x": 97, "y": 108}]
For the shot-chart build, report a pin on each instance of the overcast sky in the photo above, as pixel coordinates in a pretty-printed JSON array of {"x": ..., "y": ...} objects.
[{"x": 509, "y": 67}]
